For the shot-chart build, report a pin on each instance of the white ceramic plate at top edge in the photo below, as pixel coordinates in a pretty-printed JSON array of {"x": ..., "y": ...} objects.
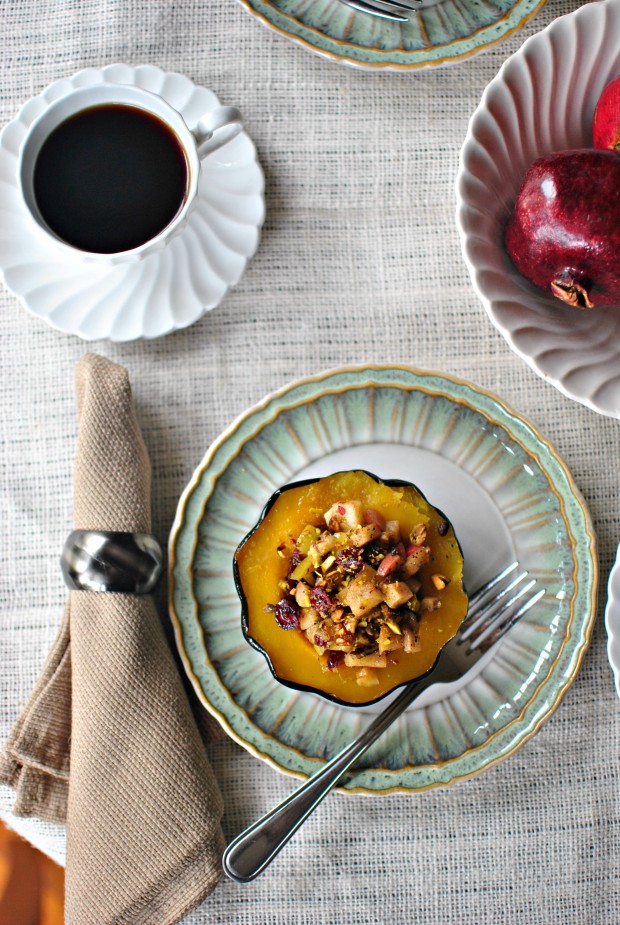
[
  {"x": 542, "y": 100},
  {"x": 166, "y": 291},
  {"x": 440, "y": 33},
  {"x": 506, "y": 491}
]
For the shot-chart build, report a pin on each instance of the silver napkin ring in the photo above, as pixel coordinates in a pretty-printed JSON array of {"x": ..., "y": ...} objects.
[{"x": 100, "y": 560}]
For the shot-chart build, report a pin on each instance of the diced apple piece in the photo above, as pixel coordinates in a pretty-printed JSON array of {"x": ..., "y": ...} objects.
[
  {"x": 389, "y": 564},
  {"x": 344, "y": 515},
  {"x": 308, "y": 618},
  {"x": 302, "y": 594},
  {"x": 391, "y": 533},
  {"x": 371, "y": 516},
  {"x": 411, "y": 640},
  {"x": 367, "y": 677},
  {"x": 362, "y": 594},
  {"x": 396, "y": 593},
  {"x": 365, "y": 661},
  {"x": 324, "y": 544},
  {"x": 361, "y": 536},
  {"x": 319, "y": 636},
  {"x": 389, "y": 641},
  {"x": 351, "y": 624},
  {"x": 417, "y": 556}
]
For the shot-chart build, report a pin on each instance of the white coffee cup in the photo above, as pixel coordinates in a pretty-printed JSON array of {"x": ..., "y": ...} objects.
[{"x": 212, "y": 130}]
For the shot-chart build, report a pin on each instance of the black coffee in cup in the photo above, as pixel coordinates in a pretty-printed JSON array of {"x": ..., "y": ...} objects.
[{"x": 110, "y": 178}]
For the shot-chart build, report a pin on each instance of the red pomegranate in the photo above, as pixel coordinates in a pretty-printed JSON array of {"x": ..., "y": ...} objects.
[
  {"x": 606, "y": 121},
  {"x": 564, "y": 232}
]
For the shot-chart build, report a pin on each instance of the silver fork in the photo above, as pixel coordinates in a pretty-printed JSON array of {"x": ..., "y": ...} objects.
[
  {"x": 394, "y": 10},
  {"x": 493, "y": 610}
]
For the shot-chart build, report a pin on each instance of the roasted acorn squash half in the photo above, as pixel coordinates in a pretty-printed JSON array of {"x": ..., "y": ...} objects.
[{"x": 356, "y": 603}]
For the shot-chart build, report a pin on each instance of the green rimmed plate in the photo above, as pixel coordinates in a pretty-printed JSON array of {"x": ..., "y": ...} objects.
[
  {"x": 439, "y": 33},
  {"x": 508, "y": 495}
]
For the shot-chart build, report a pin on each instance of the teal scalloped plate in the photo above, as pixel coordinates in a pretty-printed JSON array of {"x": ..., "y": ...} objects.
[
  {"x": 508, "y": 494},
  {"x": 440, "y": 33}
]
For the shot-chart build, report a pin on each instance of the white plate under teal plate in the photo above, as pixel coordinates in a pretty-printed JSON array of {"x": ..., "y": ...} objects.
[
  {"x": 507, "y": 493},
  {"x": 166, "y": 291},
  {"x": 612, "y": 620},
  {"x": 440, "y": 32}
]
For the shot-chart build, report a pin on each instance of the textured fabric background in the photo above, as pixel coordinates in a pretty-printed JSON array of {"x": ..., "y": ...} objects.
[{"x": 359, "y": 262}]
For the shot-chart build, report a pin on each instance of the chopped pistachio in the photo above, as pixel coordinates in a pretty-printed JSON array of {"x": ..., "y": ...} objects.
[{"x": 394, "y": 627}]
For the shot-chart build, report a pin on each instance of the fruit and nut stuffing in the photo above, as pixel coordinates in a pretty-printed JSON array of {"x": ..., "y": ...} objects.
[
  {"x": 353, "y": 588},
  {"x": 350, "y": 586}
]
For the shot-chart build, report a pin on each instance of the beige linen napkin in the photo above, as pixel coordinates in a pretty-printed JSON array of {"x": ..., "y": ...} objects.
[{"x": 107, "y": 738}]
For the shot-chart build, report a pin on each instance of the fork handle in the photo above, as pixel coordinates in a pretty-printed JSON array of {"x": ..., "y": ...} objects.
[{"x": 250, "y": 852}]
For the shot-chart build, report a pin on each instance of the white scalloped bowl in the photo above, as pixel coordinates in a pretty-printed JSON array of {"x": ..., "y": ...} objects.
[{"x": 542, "y": 100}]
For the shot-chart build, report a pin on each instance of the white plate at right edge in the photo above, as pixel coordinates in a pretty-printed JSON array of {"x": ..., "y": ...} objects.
[{"x": 612, "y": 620}]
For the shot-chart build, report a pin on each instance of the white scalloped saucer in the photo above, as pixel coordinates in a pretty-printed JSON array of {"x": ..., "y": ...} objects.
[{"x": 165, "y": 291}]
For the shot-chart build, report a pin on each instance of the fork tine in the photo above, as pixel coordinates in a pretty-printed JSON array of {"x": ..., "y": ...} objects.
[
  {"x": 408, "y": 5},
  {"x": 365, "y": 6},
  {"x": 498, "y": 627},
  {"x": 483, "y": 593},
  {"x": 480, "y": 612}
]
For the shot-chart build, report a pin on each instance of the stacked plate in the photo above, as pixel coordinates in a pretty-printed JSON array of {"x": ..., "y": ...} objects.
[{"x": 508, "y": 495}]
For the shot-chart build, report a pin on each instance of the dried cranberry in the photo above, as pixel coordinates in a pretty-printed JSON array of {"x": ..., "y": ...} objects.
[
  {"x": 351, "y": 566},
  {"x": 320, "y": 600},
  {"x": 348, "y": 560},
  {"x": 294, "y": 561},
  {"x": 320, "y": 641},
  {"x": 287, "y": 614},
  {"x": 334, "y": 659}
]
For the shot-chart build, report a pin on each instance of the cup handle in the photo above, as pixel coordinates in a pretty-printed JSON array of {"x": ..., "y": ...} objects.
[{"x": 216, "y": 128}]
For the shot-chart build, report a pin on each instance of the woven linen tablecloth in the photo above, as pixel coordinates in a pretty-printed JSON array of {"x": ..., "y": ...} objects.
[{"x": 359, "y": 262}]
